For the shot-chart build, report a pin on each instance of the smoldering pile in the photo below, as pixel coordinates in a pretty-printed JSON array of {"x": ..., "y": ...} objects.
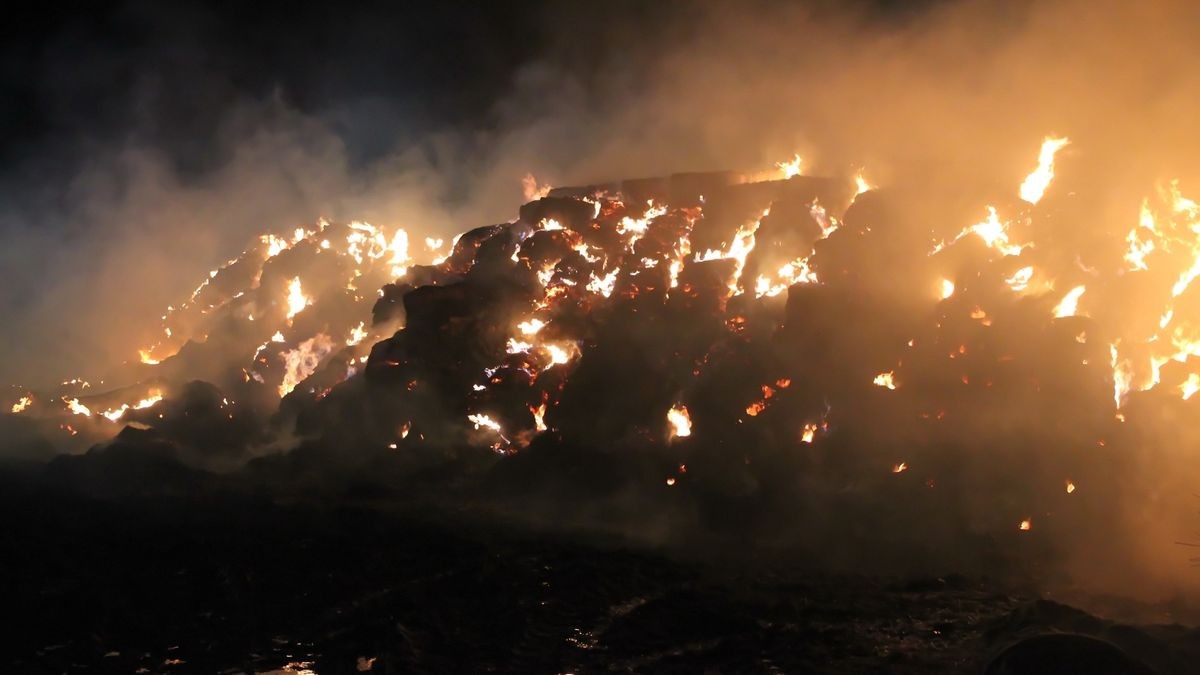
[{"x": 793, "y": 362}]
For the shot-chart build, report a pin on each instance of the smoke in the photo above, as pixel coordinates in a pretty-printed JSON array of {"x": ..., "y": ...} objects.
[{"x": 946, "y": 104}]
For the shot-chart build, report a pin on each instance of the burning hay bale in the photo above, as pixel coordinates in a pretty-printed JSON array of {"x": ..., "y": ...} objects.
[{"x": 717, "y": 349}]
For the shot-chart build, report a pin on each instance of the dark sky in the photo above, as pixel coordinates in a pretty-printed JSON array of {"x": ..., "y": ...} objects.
[{"x": 170, "y": 73}]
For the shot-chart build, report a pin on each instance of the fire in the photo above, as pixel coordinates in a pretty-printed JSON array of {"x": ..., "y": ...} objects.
[
  {"x": 296, "y": 300},
  {"x": 860, "y": 184},
  {"x": 1140, "y": 247},
  {"x": 899, "y": 468},
  {"x": 78, "y": 408},
  {"x": 808, "y": 432},
  {"x": 484, "y": 421},
  {"x": 531, "y": 327},
  {"x": 886, "y": 380},
  {"x": 357, "y": 334},
  {"x": 1070, "y": 485},
  {"x": 995, "y": 233},
  {"x": 302, "y": 361},
  {"x": 1026, "y": 525},
  {"x": 1069, "y": 303},
  {"x": 791, "y": 167},
  {"x": 603, "y": 285},
  {"x": 399, "y": 249},
  {"x": 680, "y": 421},
  {"x": 1019, "y": 281},
  {"x": 21, "y": 404},
  {"x": 738, "y": 250},
  {"x": 1189, "y": 387},
  {"x": 947, "y": 288},
  {"x": 117, "y": 413},
  {"x": 1036, "y": 182},
  {"x": 539, "y": 417}
]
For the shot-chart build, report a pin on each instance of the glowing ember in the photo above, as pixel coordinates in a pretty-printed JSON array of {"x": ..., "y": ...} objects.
[
  {"x": 947, "y": 288},
  {"x": 886, "y": 380},
  {"x": 1070, "y": 486},
  {"x": 899, "y": 468},
  {"x": 1026, "y": 525},
  {"x": 1036, "y": 182},
  {"x": 680, "y": 421}
]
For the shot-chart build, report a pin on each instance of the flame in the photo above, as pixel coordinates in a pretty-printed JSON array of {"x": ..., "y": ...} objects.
[
  {"x": 1069, "y": 303},
  {"x": 886, "y": 380},
  {"x": 22, "y": 403},
  {"x": 860, "y": 183},
  {"x": 680, "y": 421},
  {"x": 1026, "y": 525},
  {"x": 531, "y": 327},
  {"x": 559, "y": 355},
  {"x": 947, "y": 288},
  {"x": 1070, "y": 485},
  {"x": 296, "y": 300},
  {"x": 78, "y": 408},
  {"x": 603, "y": 285},
  {"x": 484, "y": 421},
  {"x": 539, "y": 417},
  {"x": 116, "y": 413},
  {"x": 899, "y": 468},
  {"x": 636, "y": 227},
  {"x": 302, "y": 361},
  {"x": 1036, "y": 182},
  {"x": 1019, "y": 281},
  {"x": 399, "y": 249},
  {"x": 1122, "y": 376},
  {"x": 738, "y": 250},
  {"x": 1189, "y": 387},
  {"x": 791, "y": 167},
  {"x": 808, "y": 432},
  {"x": 357, "y": 334}
]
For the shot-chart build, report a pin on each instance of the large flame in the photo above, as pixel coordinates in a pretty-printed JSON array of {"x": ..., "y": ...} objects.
[{"x": 1036, "y": 182}]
